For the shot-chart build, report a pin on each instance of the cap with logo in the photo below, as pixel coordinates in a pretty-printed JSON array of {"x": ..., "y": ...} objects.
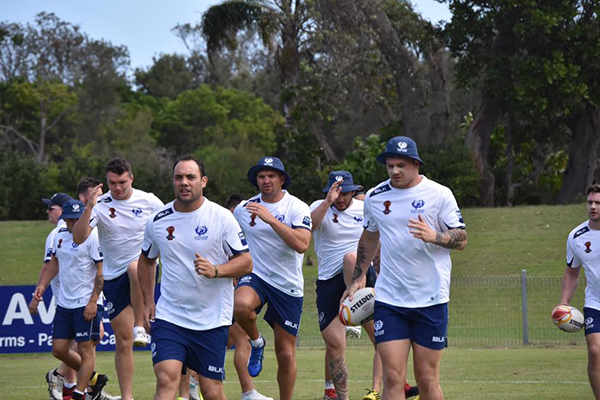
[
  {"x": 57, "y": 199},
  {"x": 72, "y": 209},
  {"x": 400, "y": 146},
  {"x": 347, "y": 181},
  {"x": 270, "y": 163}
]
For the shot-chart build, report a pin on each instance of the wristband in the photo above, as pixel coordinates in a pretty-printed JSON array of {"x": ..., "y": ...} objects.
[{"x": 216, "y": 271}]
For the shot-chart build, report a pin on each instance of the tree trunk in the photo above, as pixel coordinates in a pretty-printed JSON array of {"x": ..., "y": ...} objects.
[
  {"x": 510, "y": 166},
  {"x": 40, "y": 156},
  {"x": 478, "y": 140},
  {"x": 440, "y": 99},
  {"x": 415, "y": 118},
  {"x": 582, "y": 157}
]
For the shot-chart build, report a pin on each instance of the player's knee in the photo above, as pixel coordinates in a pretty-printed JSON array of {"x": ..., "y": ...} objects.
[
  {"x": 242, "y": 308},
  {"x": 166, "y": 380},
  {"x": 392, "y": 378},
  {"x": 285, "y": 358},
  {"x": 59, "y": 352},
  {"x": 427, "y": 381},
  {"x": 335, "y": 348},
  {"x": 594, "y": 353}
]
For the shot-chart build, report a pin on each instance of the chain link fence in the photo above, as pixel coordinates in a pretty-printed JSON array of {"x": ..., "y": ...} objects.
[{"x": 485, "y": 311}]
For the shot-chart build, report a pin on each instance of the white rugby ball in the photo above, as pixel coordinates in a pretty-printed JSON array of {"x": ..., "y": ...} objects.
[
  {"x": 567, "y": 318},
  {"x": 360, "y": 309}
]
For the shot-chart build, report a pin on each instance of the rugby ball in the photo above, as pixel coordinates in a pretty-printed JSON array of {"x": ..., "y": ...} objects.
[
  {"x": 360, "y": 309},
  {"x": 567, "y": 318}
]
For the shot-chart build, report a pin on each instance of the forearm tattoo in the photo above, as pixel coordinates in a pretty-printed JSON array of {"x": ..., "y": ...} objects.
[
  {"x": 360, "y": 259},
  {"x": 99, "y": 284},
  {"x": 451, "y": 239},
  {"x": 339, "y": 376}
]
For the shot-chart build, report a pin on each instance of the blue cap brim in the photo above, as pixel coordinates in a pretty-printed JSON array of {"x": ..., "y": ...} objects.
[
  {"x": 71, "y": 216},
  {"x": 381, "y": 158},
  {"x": 252, "y": 172},
  {"x": 345, "y": 189}
]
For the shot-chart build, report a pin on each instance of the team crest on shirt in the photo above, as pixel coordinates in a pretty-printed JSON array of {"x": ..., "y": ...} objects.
[
  {"x": 588, "y": 246},
  {"x": 335, "y": 218},
  {"x": 112, "y": 212},
  {"x": 306, "y": 221},
  {"x": 74, "y": 245},
  {"x": 280, "y": 217},
  {"x": 170, "y": 231},
  {"x": 387, "y": 205},
  {"x": 243, "y": 238},
  {"x": 379, "y": 328},
  {"x": 252, "y": 219},
  {"x": 201, "y": 232},
  {"x": 358, "y": 219},
  {"x": 137, "y": 212},
  {"x": 417, "y": 205},
  {"x": 59, "y": 243}
]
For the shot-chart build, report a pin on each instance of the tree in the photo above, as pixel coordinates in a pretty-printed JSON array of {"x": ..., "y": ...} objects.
[{"x": 168, "y": 76}]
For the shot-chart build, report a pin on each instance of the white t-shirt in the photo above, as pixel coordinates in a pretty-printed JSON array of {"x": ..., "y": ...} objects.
[
  {"x": 187, "y": 299},
  {"x": 337, "y": 235},
  {"x": 55, "y": 283},
  {"x": 274, "y": 261},
  {"x": 121, "y": 228},
  {"x": 413, "y": 273},
  {"x": 77, "y": 268},
  {"x": 583, "y": 248}
]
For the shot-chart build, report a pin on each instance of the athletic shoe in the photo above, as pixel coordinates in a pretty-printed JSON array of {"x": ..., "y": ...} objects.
[
  {"x": 96, "y": 392},
  {"x": 353, "y": 332},
  {"x": 55, "y": 385},
  {"x": 372, "y": 395},
  {"x": 140, "y": 337},
  {"x": 330, "y": 394},
  {"x": 256, "y": 359},
  {"x": 194, "y": 393},
  {"x": 103, "y": 396},
  {"x": 254, "y": 395},
  {"x": 410, "y": 391},
  {"x": 67, "y": 393}
]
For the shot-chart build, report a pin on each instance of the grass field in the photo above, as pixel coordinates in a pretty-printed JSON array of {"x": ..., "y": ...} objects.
[
  {"x": 489, "y": 374},
  {"x": 501, "y": 243}
]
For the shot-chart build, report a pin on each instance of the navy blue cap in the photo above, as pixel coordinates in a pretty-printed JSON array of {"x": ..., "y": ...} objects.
[
  {"x": 347, "y": 185},
  {"x": 57, "y": 199},
  {"x": 72, "y": 209},
  {"x": 400, "y": 146},
  {"x": 271, "y": 163}
]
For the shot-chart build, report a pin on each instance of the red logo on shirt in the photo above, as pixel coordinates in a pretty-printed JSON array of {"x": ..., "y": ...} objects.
[
  {"x": 59, "y": 243},
  {"x": 335, "y": 218},
  {"x": 112, "y": 212},
  {"x": 387, "y": 205},
  {"x": 170, "y": 231},
  {"x": 252, "y": 219},
  {"x": 587, "y": 247}
]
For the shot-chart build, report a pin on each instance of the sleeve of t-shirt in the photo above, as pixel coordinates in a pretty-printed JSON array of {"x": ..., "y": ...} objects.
[
  {"x": 234, "y": 240},
  {"x": 237, "y": 212},
  {"x": 369, "y": 222},
  {"x": 301, "y": 216},
  {"x": 149, "y": 247},
  {"x": 94, "y": 218},
  {"x": 48, "y": 250},
  {"x": 156, "y": 204},
  {"x": 315, "y": 204},
  {"x": 572, "y": 260},
  {"x": 94, "y": 249},
  {"x": 449, "y": 216}
]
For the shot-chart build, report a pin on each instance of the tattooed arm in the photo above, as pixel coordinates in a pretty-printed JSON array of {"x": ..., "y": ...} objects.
[
  {"x": 367, "y": 246},
  {"x": 452, "y": 239}
]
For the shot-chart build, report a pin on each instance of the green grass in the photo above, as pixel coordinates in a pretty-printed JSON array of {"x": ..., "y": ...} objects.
[{"x": 526, "y": 373}]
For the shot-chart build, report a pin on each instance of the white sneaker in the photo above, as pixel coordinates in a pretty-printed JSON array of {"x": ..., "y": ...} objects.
[
  {"x": 55, "y": 385},
  {"x": 254, "y": 395},
  {"x": 103, "y": 396},
  {"x": 140, "y": 337},
  {"x": 194, "y": 393},
  {"x": 353, "y": 332}
]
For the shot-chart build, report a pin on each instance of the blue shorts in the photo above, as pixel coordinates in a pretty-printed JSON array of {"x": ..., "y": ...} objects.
[
  {"x": 329, "y": 294},
  {"x": 426, "y": 326},
  {"x": 284, "y": 310},
  {"x": 202, "y": 351},
  {"x": 117, "y": 293},
  {"x": 70, "y": 324},
  {"x": 591, "y": 320}
]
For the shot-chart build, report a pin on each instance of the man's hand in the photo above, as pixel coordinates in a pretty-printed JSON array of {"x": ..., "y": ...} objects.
[
  {"x": 261, "y": 211},
  {"x": 420, "y": 230},
  {"x": 33, "y": 305},
  {"x": 149, "y": 313},
  {"x": 334, "y": 192},
  {"x": 349, "y": 292},
  {"x": 39, "y": 292},
  {"x": 204, "y": 267},
  {"x": 93, "y": 195},
  {"x": 90, "y": 311}
]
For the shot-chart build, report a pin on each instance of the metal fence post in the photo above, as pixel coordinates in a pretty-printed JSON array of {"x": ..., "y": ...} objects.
[{"x": 524, "y": 306}]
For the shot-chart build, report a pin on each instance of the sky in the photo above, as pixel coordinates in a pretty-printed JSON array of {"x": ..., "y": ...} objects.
[{"x": 144, "y": 26}]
